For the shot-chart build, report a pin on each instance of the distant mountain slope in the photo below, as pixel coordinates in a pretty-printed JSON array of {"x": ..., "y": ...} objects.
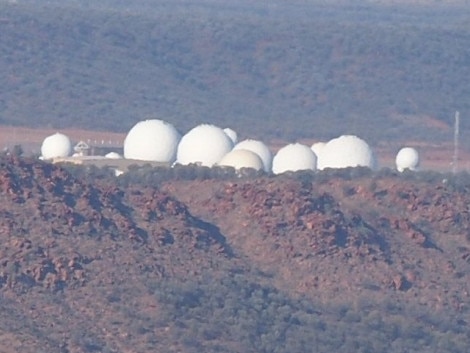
[{"x": 288, "y": 71}]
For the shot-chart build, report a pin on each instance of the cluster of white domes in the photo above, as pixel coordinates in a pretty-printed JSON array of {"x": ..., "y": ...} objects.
[
  {"x": 294, "y": 157},
  {"x": 407, "y": 158},
  {"x": 56, "y": 146},
  {"x": 152, "y": 140},
  {"x": 208, "y": 145},
  {"x": 205, "y": 145},
  {"x": 346, "y": 151}
]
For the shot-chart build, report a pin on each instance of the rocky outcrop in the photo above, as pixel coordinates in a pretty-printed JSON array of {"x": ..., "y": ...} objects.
[
  {"x": 74, "y": 251},
  {"x": 54, "y": 226}
]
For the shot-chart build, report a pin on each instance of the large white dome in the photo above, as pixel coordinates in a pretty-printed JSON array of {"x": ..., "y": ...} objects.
[
  {"x": 239, "y": 159},
  {"x": 205, "y": 144},
  {"x": 152, "y": 140},
  {"x": 57, "y": 145},
  {"x": 407, "y": 158},
  {"x": 294, "y": 157},
  {"x": 232, "y": 134},
  {"x": 346, "y": 151},
  {"x": 260, "y": 149}
]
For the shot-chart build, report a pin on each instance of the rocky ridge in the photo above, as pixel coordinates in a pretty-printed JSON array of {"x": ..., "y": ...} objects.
[
  {"x": 75, "y": 252},
  {"x": 344, "y": 235}
]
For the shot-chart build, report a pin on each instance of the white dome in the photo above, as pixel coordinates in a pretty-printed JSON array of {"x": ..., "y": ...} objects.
[
  {"x": 205, "y": 144},
  {"x": 239, "y": 159},
  {"x": 407, "y": 158},
  {"x": 294, "y": 157},
  {"x": 317, "y": 147},
  {"x": 57, "y": 145},
  {"x": 232, "y": 134},
  {"x": 260, "y": 149},
  {"x": 152, "y": 140},
  {"x": 113, "y": 155},
  {"x": 346, "y": 151}
]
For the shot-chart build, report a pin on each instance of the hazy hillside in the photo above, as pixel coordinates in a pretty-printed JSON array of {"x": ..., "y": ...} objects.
[
  {"x": 340, "y": 261},
  {"x": 266, "y": 69}
]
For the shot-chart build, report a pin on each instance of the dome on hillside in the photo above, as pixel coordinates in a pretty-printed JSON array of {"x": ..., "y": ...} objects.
[
  {"x": 294, "y": 157},
  {"x": 260, "y": 149},
  {"x": 346, "y": 151},
  {"x": 56, "y": 145},
  {"x": 239, "y": 159},
  {"x": 407, "y": 158},
  {"x": 317, "y": 147},
  {"x": 113, "y": 155},
  {"x": 232, "y": 134},
  {"x": 205, "y": 144},
  {"x": 152, "y": 140}
]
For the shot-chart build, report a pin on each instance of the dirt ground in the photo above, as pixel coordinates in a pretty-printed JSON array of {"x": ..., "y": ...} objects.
[
  {"x": 433, "y": 156},
  {"x": 31, "y": 139}
]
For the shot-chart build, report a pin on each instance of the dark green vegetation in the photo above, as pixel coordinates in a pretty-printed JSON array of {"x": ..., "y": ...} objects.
[{"x": 277, "y": 70}]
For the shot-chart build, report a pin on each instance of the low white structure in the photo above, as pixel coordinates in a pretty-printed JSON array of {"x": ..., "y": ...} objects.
[
  {"x": 205, "y": 145},
  {"x": 56, "y": 146},
  {"x": 81, "y": 149},
  {"x": 260, "y": 149},
  {"x": 152, "y": 140},
  {"x": 346, "y": 151},
  {"x": 407, "y": 158},
  {"x": 294, "y": 157}
]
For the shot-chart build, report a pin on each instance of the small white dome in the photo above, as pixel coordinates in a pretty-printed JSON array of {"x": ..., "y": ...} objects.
[
  {"x": 57, "y": 145},
  {"x": 294, "y": 157},
  {"x": 232, "y": 134},
  {"x": 205, "y": 144},
  {"x": 239, "y": 159},
  {"x": 346, "y": 151},
  {"x": 317, "y": 147},
  {"x": 113, "y": 155},
  {"x": 407, "y": 158},
  {"x": 260, "y": 149},
  {"x": 152, "y": 140}
]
